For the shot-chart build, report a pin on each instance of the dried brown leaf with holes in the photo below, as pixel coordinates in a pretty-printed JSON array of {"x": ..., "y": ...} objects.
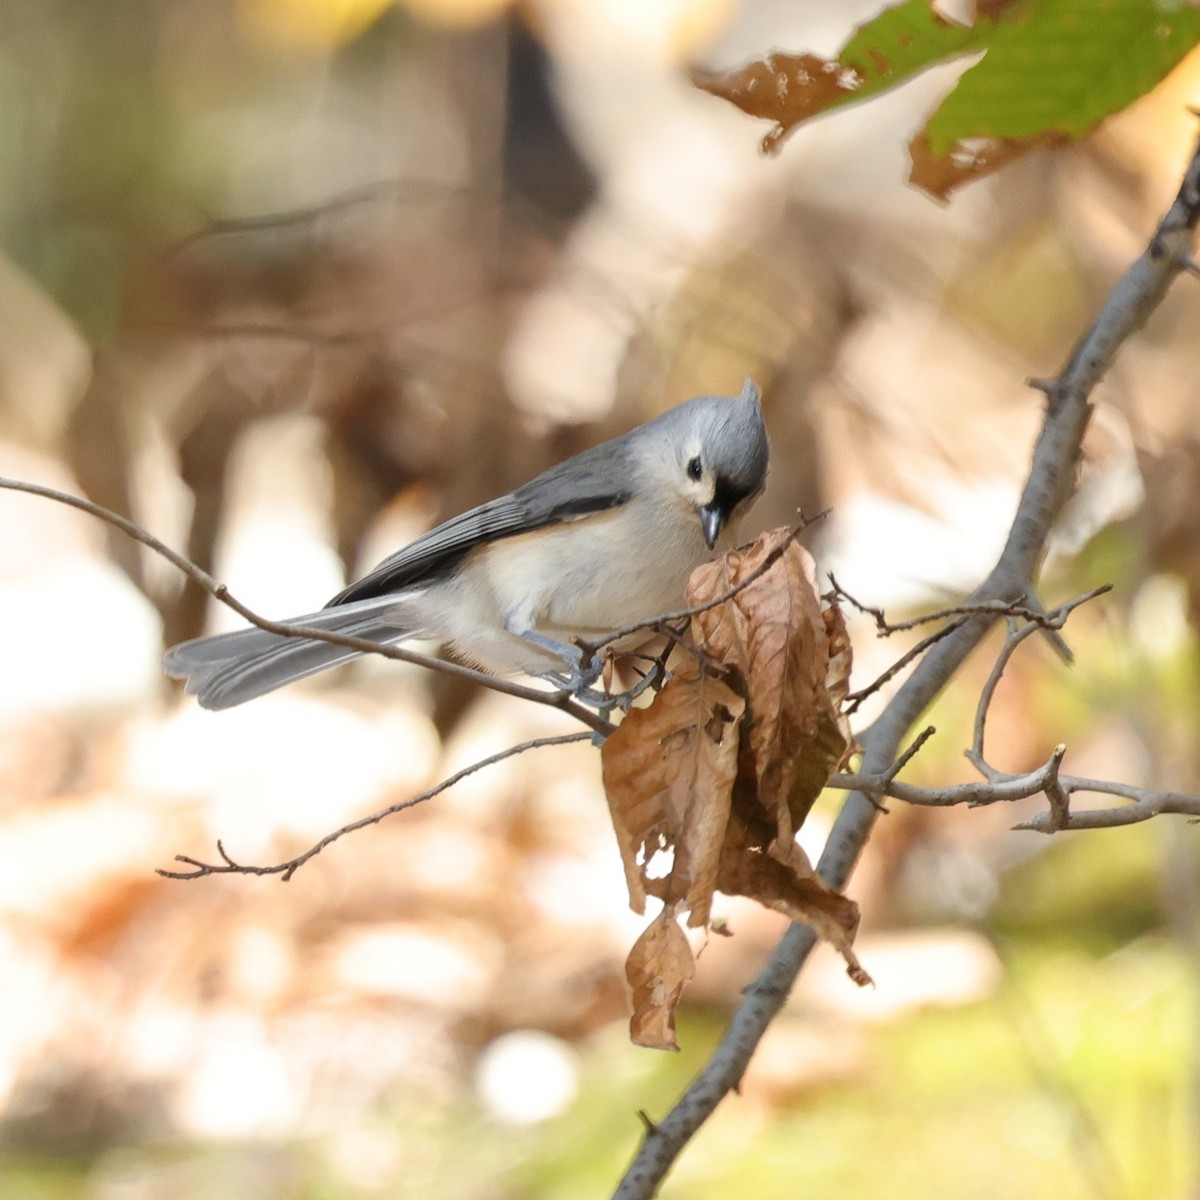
[
  {"x": 708, "y": 785},
  {"x": 659, "y": 967},
  {"x": 669, "y": 771},
  {"x": 785, "y": 88}
]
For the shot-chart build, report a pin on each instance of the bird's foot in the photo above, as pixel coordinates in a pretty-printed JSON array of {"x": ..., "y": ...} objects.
[
  {"x": 604, "y": 701},
  {"x": 579, "y": 674}
]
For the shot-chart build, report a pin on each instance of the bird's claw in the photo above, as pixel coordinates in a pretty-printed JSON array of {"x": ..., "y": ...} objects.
[
  {"x": 581, "y": 674},
  {"x": 604, "y": 702}
]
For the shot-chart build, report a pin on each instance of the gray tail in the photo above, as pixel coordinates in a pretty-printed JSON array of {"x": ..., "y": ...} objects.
[{"x": 231, "y": 668}]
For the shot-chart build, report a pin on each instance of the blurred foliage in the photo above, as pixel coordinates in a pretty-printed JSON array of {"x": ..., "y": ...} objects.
[{"x": 1050, "y": 70}]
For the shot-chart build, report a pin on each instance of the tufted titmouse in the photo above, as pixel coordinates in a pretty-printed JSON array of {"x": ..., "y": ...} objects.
[{"x": 601, "y": 541}]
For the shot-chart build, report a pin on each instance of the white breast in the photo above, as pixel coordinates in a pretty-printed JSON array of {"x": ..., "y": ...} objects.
[{"x": 583, "y": 578}]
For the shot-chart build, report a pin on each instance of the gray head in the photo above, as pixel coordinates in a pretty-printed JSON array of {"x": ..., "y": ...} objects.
[{"x": 715, "y": 457}]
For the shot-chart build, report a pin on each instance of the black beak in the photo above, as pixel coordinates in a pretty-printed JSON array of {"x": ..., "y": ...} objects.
[{"x": 712, "y": 520}]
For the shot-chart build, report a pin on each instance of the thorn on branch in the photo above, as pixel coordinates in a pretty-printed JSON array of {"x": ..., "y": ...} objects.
[
  {"x": 908, "y": 755},
  {"x": 1056, "y": 794}
]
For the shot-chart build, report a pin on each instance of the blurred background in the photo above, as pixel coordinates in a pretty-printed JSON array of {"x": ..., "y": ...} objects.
[{"x": 288, "y": 281}]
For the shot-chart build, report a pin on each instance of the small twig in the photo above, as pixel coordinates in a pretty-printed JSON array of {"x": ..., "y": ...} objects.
[
  {"x": 1056, "y": 794},
  {"x": 560, "y": 698},
  {"x": 879, "y": 786},
  {"x": 1054, "y": 620},
  {"x": 908, "y": 755},
  {"x": 1032, "y": 613},
  {"x": 1039, "y": 620},
  {"x": 285, "y": 870},
  {"x": 837, "y": 592},
  {"x": 1016, "y": 635},
  {"x": 854, "y": 700}
]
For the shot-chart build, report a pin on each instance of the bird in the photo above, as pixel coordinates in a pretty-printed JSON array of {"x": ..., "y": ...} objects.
[{"x": 599, "y": 542}]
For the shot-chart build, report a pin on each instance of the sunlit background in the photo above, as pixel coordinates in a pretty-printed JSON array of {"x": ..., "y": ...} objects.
[{"x": 289, "y": 280}]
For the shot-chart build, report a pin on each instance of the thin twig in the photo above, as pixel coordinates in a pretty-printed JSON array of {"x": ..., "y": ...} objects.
[
  {"x": 909, "y": 754},
  {"x": 854, "y": 700},
  {"x": 560, "y": 698},
  {"x": 1039, "y": 620},
  {"x": 1032, "y": 613},
  {"x": 285, "y": 870},
  {"x": 1054, "y": 619},
  {"x": 1056, "y": 791}
]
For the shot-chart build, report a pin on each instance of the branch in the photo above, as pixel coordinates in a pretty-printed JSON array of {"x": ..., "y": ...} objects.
[
  {"x": 1004, "y": 788},
  {"x": 285, "y": 870},
  {"x": 561, "y": 698},
  {"x": 1050, "y": 477}
]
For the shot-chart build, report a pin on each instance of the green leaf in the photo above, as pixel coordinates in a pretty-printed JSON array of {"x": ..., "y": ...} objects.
[
  {"x": 1066, "y": 68},
  {"x": 903, "y": 41}
]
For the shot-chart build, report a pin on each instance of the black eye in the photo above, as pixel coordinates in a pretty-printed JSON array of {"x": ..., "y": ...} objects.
[{"x": 695, "y": 468}]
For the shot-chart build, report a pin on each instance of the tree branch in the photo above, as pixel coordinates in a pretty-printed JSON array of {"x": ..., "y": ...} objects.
[
  {"x": 1002, "y": 787},
  {"x": 1049, "y": 481}
]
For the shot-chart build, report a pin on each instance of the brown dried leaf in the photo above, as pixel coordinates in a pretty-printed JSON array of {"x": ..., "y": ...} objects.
[
  {"x": 785, "y": 88},
  {"x": 659, "y": 967},
  {"x": 942, "y": 173},
  {"x": 669, "y": 772},
  {"x": 841, "y": 659},
  {"x": 721, "y": 772},
  {"x": 784, "y": 880},
  {"x": 793, "y": 658}
]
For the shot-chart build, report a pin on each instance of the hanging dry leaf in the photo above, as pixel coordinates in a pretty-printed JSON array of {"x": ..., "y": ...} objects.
[
  {"x": 773, "y": 630},
  {"x": 658, "y": 968},
  {"x": 788, "y": 885},
  {"x": 717, "y": 775},
  {"x": 669, "y": 772}
]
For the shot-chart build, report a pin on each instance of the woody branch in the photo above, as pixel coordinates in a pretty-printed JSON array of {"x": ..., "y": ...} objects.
[{"x": 1048, "y": 482}]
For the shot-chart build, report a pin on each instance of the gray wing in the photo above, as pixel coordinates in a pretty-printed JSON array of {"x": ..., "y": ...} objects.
[{"x": 590, "y": 482}]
